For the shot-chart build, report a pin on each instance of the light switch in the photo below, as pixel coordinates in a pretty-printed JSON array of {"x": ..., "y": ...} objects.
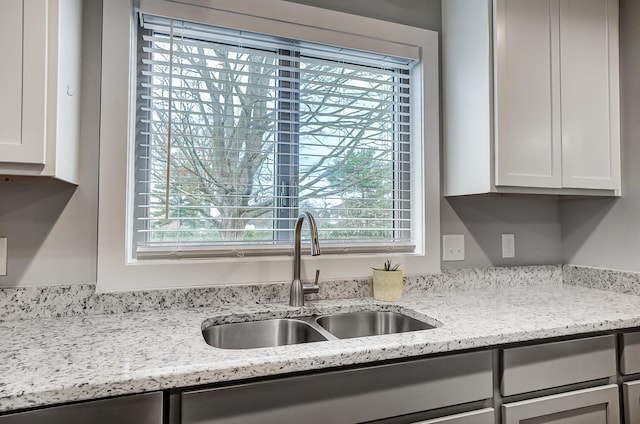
[
  {"x": 3, "y": 256},
  {"x": 508, "y": 246},
  {"x": 453, "y": 247}
]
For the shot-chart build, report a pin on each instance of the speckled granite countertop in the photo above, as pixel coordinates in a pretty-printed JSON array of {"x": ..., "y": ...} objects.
[{"x": 54, "y": 360}]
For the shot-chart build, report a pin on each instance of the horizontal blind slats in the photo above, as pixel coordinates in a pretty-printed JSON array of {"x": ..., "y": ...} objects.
[
  {"x": 235, "y": 136},
  {"x": 305, "y": 91},
  {"x": 303, "y": 113},
  {"x": 294, "y": 64}
]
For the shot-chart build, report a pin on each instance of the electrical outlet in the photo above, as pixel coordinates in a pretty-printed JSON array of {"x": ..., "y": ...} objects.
[
  {"x": 3, "y": 256},
  {"x": 453, "y": 247},
  {"x": 509, "y": 246}
]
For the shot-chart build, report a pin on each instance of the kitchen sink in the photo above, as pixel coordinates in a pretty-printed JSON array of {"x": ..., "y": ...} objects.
[
  {"x": 267, "y": 333},
  {"x": 369, "y": 323},
  {"x": 307, "y": 329}
]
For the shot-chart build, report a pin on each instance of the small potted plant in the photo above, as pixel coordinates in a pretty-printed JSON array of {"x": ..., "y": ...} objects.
[{"x": 388, "y": 282}]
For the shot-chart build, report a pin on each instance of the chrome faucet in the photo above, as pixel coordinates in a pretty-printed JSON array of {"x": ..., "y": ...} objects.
[{"x": 298, "y": 290}]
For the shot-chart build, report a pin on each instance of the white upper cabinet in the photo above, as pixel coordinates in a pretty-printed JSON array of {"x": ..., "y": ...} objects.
[
  {"x": 531, "y": 97},
  {"x": 527, "y": 132},
  {"x": 39, "y": 81},
  {"x": 589, "y": 90},
  {"x": 23, "y": 81}
]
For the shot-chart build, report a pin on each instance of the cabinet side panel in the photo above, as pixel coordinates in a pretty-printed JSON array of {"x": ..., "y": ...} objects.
[
  {"x": 64, "y": 89},
  {"x": 466, "y": 81},
  {"x": 590, "y": 139},
  {"x": 527, "y": 140},
  {"x": 11, "y": 75}
]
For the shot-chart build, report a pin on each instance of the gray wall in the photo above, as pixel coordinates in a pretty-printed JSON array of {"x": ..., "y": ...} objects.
[
  {"x": 52, "y": 228},
  {"x": 534, "y": 221},
  {"x": 418, "y": 13},
  {"x": 605, "y": 232}
]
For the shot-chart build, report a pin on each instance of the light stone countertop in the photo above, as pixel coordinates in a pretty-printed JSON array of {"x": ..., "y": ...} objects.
[{"x": 56, "y": 360}]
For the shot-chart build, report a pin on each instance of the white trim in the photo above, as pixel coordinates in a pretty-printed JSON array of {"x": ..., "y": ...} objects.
[
  {"x": 116, "y": 269},
  {"x": 283, "y": 19}
]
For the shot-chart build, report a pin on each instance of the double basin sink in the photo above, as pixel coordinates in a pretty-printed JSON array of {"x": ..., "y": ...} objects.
[{"x": 286, "y": 331}]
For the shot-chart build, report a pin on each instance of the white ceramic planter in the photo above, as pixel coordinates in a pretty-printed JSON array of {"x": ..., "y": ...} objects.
[{"x": 387, "y": 285}]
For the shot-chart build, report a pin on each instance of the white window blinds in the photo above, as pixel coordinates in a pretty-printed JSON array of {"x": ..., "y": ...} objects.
[{"x": 237, "y": 133}]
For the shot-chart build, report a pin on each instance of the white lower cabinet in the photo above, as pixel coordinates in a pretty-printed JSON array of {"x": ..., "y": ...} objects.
[
  {"x": 482, "y": 416},
  {"x": 631, "y": 394},
  {"x": 598, "y": 405}
]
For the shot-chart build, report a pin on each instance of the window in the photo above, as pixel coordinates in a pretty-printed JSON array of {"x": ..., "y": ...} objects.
[
  {"x": 238, "y": 133},
  {"x": 342, "y": 122}
]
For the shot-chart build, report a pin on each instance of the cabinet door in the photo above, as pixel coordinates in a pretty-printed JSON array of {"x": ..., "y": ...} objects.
[
  {"x": 527, "y": 122},
  {"x": 483, "y": 416},
  {"x": 589, "y": 91},
  {"x": 590, "y": 406},
  {"x": 23, "y": 74},
  {"x": 631, "y": 392}
]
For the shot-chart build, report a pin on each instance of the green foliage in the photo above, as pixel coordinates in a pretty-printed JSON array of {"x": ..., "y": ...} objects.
[{"x": 388, "y": 266}]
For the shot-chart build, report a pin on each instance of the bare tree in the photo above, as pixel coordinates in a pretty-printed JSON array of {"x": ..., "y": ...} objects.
[{"x": 214, "y": 135}]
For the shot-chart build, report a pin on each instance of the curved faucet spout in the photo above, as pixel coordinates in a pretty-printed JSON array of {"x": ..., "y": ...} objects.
[
  {"x": 298, "y": 290},
  {"x": 315, "y": 244}
]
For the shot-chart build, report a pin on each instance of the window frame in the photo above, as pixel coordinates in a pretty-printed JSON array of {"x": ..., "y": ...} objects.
[
  {"x": 117, "y": 267},
  {"x": 284, "y": 141}
]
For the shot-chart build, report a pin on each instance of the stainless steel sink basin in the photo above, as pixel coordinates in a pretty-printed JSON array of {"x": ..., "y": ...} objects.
[
  {"x": 306, "y": 329},
  {"x": 267, "y": 333},
  {"x": 369, "y": 323}
]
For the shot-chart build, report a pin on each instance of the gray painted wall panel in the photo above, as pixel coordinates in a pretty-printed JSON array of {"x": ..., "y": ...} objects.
[{"x": 606, "y": 232}]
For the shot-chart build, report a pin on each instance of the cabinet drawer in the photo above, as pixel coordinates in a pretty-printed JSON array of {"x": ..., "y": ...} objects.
[
  {"x": 531, "y": 368},
  {"x": 630, "y": 353},
  {"x": 135, "y": 409},
  {"x": 346, "y": 396},
  {"x": 483, "y": 416},
  {"x": 597, "y": 405}
]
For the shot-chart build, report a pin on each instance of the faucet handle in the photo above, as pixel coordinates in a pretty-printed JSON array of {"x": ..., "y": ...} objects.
[{"x": 312, "y": 288}]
